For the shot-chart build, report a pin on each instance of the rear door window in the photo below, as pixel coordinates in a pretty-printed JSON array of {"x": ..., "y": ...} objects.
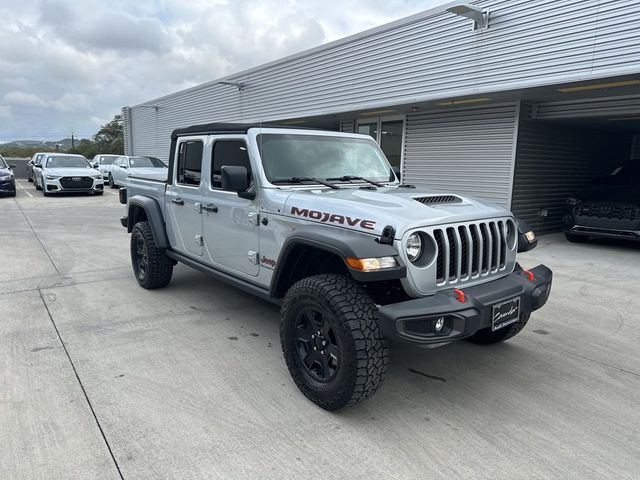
[{"x": 189, "y": 165}]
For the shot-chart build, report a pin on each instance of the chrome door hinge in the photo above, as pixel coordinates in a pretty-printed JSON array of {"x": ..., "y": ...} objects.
[
  {"x": 253, "y": 257},
  {"x": 254, "y": 217},
  {"x": 199, "y": 240}
]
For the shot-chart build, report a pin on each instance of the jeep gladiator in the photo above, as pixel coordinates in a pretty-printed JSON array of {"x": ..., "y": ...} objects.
[{"x": 319, "y": 223}]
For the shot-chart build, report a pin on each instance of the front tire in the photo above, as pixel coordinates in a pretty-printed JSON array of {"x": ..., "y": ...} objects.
[
  {"x": 331, "y": 341},
  {"x": 151, "y": 267},
  {"x": 35, "y": 183},
  {"x": 112, "y": 184}
]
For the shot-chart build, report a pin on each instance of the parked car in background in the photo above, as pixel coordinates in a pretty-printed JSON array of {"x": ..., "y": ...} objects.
[
  {"x": 610, "y": 209},
  {"x": 37, "y": 158},
  {"x": 64, "y": 172},
  {"x": 136, "y": 166},
  {"x": 7, "y": 179},
  {"x": 104, "y": 162}
]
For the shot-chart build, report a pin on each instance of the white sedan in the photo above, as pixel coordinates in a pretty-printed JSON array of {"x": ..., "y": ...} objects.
[
  {"x": 136, "y": 166},
  {"x": 64, "y": 172}
]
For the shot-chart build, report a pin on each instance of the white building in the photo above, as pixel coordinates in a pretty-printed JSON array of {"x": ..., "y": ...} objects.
[{"x": 524, "y": 110}]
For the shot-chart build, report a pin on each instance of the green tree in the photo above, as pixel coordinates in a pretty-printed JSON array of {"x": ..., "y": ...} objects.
[{"x": 110, "y": 138}]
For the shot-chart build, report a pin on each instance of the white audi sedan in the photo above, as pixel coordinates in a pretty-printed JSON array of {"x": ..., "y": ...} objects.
[
  {"x": 127, "y": 166},
  {"x": 64, "y": 172}
]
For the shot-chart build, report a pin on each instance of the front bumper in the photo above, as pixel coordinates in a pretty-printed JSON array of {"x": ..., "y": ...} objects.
[
  {"x": 55, "y": 186},
  {"x": 412, "y": 320},
  {"x": 7, "y": 187}
]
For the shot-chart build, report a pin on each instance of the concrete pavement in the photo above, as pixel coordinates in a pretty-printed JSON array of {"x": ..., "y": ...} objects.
[{"x": 102, "y": 379}]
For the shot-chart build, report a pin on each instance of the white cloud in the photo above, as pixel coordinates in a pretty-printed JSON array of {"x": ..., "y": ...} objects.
[{"x": 65, "y": 64}]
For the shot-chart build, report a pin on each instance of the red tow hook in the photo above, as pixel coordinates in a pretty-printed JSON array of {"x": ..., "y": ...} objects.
[
  {"x": 529, "y": 275},
  {"x": 460, "y": 296}
]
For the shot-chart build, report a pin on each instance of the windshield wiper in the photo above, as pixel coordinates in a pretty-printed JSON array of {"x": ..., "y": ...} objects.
[
  {"x": 348, "y": 178},
  {"x": 304, "y": 179}
]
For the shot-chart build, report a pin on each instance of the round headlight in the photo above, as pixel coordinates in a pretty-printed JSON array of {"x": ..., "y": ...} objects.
[{"x": 414, "y": 247}]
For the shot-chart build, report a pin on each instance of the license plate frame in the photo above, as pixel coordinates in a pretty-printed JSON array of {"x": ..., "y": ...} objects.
[{"x": 505, "y": 313}]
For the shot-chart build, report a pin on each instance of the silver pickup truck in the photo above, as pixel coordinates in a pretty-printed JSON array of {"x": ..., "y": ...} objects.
[{"x": 319, "y": 223}]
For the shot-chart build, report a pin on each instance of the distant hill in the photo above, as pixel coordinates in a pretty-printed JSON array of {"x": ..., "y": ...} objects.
[{"x": 65, "y": 144}]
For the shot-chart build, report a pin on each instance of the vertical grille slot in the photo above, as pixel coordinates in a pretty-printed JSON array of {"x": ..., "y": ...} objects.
[
  {"x": 477, "y": 257},
  {"x": 452, "y": 255},
  {"x": 486, "y": 248},
  {"x": 439, "y": 261}
]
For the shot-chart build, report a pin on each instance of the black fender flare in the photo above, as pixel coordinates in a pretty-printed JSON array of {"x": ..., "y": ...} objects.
[
  {"x": 339, "y": 242},
  {"x": 154, "y": 217},
  {"x": 524, "y": 244}
]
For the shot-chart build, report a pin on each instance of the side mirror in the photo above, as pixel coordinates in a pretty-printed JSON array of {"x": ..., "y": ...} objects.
[
  {"x": 234, "y": 179},
  {"x": 95, "y": 166},
  {"x": 124, "y": 166},
  {"x": 396, "y": 170}
]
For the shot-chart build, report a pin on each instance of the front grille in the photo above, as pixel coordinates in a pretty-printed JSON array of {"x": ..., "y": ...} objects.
[
  {"x": 608, "y": 211},
  {"x": 435, "y": 199},
  {"x": 470, "y": 250},
  {"x": 72, "y": 183}
]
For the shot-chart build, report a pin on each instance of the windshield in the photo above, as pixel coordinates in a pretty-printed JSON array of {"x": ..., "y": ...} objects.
[
  {"x": 3, "y": 164},
  {"x": 107, "y": 159},
  {"x": 146, "y": 162},
  {"x": 61, "y": 161},
  {"x": 293, "y": 155}
]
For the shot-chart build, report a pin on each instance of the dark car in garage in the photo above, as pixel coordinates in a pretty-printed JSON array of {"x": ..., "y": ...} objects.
[
  {"x": 609, "y": 209},
  {"x": 7, "y": 179}
]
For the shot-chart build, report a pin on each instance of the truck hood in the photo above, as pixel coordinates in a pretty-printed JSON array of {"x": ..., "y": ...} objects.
[
  {"x": 71, "y": 171},
  {"x": 369, "y": 211},
  {"x": 154, "y": 173}
]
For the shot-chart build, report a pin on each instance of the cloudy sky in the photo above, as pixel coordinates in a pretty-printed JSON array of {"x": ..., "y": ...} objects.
[{"x": 69, "y": 66}]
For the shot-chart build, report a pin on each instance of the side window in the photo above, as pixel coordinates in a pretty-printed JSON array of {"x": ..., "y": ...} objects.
[
  {"x": 189, "y": 167},
  {"x": 228, "y": 153}
]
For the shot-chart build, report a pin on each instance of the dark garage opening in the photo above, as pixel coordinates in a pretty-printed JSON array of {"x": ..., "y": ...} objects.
[{"x": 558, "y": 157}]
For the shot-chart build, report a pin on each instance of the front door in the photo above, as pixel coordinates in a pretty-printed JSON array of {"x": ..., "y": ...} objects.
[
  {"x": 184, "y": 198},
  {"x": 230, "y": 223}
]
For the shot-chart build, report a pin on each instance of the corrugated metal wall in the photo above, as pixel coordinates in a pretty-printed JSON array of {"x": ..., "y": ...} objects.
[
  {"x": 464, "y": 150},
  {"x": 555, "y": 160},
  {"x": 428, "y": 56}
]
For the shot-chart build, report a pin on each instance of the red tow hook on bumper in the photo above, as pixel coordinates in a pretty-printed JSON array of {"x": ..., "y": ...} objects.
[{"x": 460, "y": 296}]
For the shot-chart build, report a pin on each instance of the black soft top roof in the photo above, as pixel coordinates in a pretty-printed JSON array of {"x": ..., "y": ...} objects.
[{"x": 210, "y": 128}]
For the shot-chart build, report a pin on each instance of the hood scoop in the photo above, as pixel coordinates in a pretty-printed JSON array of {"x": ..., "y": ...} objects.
[{"x": 438, "y": 199}]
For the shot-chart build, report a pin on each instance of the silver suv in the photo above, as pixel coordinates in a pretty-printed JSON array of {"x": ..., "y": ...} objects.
[{"x": 319, "y": 223}]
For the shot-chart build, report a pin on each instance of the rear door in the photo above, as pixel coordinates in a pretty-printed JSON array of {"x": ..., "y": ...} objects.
[
  {"x": 183, "y": 198},
  {"x": 230, "y": 223}
]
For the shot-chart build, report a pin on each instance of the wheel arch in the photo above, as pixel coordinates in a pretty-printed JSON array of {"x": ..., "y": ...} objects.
[
  {"x": 143, "y": 208},
  {"x": 308, "y": 252}
]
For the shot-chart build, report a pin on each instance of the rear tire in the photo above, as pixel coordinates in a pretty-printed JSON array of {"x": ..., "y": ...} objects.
[
  {"x": 573, "y": 238},
  {"x": 336, "y": 316},
  {"x": 151, "y": 267}
]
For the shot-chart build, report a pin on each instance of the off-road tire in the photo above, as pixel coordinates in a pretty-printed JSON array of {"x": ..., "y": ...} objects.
[
  {"x": 159, "y": 267},
  {"x": 573, "y": 238},
  {"x": 487, "y": 337},
  {"x": 363, "y": 351}
]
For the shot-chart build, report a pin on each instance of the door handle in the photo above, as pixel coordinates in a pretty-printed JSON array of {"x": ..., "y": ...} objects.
[
  {"x": 210, "y": 208},
  {"x": 177, "y": 201}
]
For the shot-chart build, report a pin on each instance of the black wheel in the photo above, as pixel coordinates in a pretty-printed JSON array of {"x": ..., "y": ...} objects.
[
  {"x": 29, "y": 178},
  {"x": 150, "y": 266},
  {"x": 331, "y": 341},
  {"x": 573, "y": 238},
  {"x": 487, "y": 337},
  {"x": 98, "y": 193},
  {"x": 111, "y": 182},
  {"x": 35, "y": 183}
]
